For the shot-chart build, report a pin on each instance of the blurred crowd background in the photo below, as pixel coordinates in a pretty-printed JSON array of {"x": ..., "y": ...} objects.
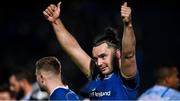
[{"x": 26, "y": 36}]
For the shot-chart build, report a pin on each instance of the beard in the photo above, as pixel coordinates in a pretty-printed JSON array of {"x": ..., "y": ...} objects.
[
  {"x": 42, "y": 88},
  {"x": 115, "y": 64},
  {"x": 115, "y": 67},
  {"x": 20, "y": 94}
]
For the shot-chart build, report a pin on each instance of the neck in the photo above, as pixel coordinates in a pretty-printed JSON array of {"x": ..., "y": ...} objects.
[
  {"x": 27, "y": 89},
  {"x": 52, "y": 84},
  {"x": 106, "y": 75},
  {"x": 163, "y": 84}
]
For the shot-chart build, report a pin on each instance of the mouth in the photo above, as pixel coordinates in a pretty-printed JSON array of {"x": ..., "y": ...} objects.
[{"x": 102, "y": 68}]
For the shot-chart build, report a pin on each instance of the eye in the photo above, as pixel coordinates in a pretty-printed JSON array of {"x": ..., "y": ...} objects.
[
  {"x": 95, "y": 59},
  {"x": 103, "y": 56}
]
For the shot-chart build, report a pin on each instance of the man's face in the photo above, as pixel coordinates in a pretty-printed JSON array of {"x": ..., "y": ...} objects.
[
  {"x": 103, "y": 56},
  {"x": 173, "y": 78},
  {"x": 14, "y": 84}
]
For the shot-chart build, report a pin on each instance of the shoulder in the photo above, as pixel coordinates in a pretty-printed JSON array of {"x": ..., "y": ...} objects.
[
  {"x": 173, "y": 94},
  {"x": 151, "y": 94},
  {"x": 63, "y": 94},
  {"x": 58, "y": 94},
  {"x": 70, "y": 95}
]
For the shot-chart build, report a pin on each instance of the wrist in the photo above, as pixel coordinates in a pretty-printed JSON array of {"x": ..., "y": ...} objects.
[
  {"x": 128, "y": 24},
  {"x": 55, "y": 21}
]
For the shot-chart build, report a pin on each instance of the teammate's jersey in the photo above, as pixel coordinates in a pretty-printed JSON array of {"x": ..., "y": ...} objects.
[{"x": 63, "y": 94}]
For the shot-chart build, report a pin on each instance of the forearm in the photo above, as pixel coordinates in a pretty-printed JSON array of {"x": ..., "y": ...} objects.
[
  {"x": 72, "y": 47},
  {"x": 128, "y": 41},
  {"x": 128, "y": 68},
  {"x": 66, "y": 40}
]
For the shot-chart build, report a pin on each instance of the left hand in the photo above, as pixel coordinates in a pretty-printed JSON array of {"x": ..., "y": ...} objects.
[{"x": 126, "y": 13}]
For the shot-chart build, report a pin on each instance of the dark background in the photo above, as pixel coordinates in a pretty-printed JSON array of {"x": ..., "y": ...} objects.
[{"x": 25, "y": 35}]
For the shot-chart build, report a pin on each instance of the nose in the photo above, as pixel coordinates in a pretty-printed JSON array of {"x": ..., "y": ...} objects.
[{"x": 99, "y": 62}]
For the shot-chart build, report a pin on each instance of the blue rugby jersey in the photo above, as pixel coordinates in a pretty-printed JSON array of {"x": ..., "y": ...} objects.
[
  {"x": 63, "y": 94},
  {"x": 112, "y": 87}
]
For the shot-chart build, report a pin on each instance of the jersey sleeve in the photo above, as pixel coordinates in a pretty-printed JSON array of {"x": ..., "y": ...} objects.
[{"x": 131, "y": 83}]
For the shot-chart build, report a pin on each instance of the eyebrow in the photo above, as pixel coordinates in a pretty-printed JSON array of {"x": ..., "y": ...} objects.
[{"x": 103, "y": 54}]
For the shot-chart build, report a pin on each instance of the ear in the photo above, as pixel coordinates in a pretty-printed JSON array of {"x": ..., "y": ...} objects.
[
  {"x": 42, "y": 78},
  {"x": 167, "y": 80},
  {"x": 118, "y": 53}
]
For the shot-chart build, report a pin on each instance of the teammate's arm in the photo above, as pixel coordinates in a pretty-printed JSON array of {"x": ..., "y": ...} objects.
[{"x": 66, "y": 40}]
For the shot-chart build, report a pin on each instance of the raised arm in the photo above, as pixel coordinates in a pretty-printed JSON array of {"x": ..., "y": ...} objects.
[
  {"x": 66, "y": 40},
  {"x": 128, "y": 60}
]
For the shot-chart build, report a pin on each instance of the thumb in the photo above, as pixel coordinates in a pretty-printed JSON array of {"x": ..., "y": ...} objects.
[
  {"x": 59, "y": 4},
  {"x": 125, "y": 4}
]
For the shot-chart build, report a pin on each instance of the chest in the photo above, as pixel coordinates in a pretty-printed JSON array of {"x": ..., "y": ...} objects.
[{"x": 106, "y": 88}]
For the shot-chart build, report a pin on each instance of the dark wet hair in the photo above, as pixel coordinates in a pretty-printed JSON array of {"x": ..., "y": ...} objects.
[
  {"x": 109, "y": 36},
  {"x": 23, "y": 74},
  {"x": 162, "y": 71},
  {"x": 4, "y": 87}
]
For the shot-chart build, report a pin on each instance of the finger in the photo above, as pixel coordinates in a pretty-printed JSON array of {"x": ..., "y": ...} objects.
[
  {"x": 45, "y": 14},
  {"x": 50, "y": 10},
  {"x": 47, "y": 11},
  {"x": 59, "y": 4},
  {"x": 125, "y": 7},
  {"x": 124, "y": 15},
  {"x": 126, "y": 10},
  {"x": 125, "y": 4},
  {"x": 53, "y": 7}
]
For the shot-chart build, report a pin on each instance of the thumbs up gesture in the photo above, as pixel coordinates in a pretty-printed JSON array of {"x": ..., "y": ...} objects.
[
  {"x": 126, "y": 13},
  {"x": 52, "y": 12}
]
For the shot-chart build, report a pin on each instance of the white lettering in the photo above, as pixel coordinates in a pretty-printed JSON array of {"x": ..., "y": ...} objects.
[{"x": 100, "y": 94}]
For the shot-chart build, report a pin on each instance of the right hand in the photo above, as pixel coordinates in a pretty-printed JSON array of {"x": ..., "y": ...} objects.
[{"x": 52, "y": 12}]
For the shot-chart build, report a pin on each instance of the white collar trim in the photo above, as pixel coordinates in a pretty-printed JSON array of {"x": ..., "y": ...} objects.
[{"x": 65, "y": 87}]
